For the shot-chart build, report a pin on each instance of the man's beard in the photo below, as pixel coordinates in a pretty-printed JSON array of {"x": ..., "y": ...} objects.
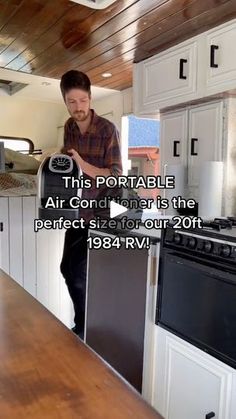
[{"x": 81, "y": 116}]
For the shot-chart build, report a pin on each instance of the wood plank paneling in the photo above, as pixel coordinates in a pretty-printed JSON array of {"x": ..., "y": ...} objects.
[
  {"x": 98, "y": 38},
  {"x": 68, "y": 14},
  {"x": 70, "y": 29},
  {"x": 39, "y": 38},
  {"x": 7, "y": 10},
  {"x": 116, "y": 70},
  {"x": 118, "y": 78},
  {"x": 122, "y": 84},
  {"x": 35, "y": 27},
  {"x": 123, "y": 42},
  {"x": 23, "y": 14}
]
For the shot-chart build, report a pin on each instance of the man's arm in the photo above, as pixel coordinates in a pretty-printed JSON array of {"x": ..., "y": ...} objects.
[
  {"x": 88, "y": 168},
  {"x": 112, "y": 159}
]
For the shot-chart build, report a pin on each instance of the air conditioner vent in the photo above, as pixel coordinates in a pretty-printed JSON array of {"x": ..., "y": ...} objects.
[
  {"x": 95, "y": 4},
  {"x": 11, "y": 87}
]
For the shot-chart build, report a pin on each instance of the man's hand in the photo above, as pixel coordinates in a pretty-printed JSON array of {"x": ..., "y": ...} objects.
[
  {"x": 87, "y": 168},
  {"x": 76, "y": 157}
]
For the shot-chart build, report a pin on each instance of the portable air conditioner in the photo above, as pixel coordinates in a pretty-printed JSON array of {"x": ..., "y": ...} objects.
[{"x": 52, "y": 185}]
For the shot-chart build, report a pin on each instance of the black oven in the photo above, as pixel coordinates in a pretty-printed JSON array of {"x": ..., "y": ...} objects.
[{"x": 197, "y": 292}]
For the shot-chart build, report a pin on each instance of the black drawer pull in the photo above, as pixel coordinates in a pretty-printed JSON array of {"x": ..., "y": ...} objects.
[
  {"x": 212, "y": 57},
  {"x": 210, "y": 415},
  {"x": 182, "y": 61},
  {"x": 193, "y": 141},
  {"x": 1, "y": 226},
  {"x": 175, "y": 152}
]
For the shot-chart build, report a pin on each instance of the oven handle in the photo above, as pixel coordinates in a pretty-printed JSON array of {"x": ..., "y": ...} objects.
[{"x": 221, "y": 273}]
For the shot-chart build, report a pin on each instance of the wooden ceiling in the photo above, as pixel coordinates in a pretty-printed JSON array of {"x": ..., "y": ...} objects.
[{"x": 49, "y": 37}]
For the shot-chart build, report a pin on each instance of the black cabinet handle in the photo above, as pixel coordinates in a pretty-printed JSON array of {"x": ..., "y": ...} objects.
[
  {"x": 210, "y": 415},
  {"x": 175, "y": 153},
  {"x": 193, "y": 141},
  {"x": 1, "y": 227},
  {"x": 182, "y": 61},
  {"x": 212, "y": 56}
]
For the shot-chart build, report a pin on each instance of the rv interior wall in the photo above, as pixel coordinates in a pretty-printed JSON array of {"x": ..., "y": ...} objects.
[
  {"x": 43, "y": 122},
  {"x": 111, "y": 107},
  {"x": 31, "y": 119}
]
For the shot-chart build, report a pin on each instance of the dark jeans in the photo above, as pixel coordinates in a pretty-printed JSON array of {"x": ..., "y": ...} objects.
[{"x": 74, "y": 269}]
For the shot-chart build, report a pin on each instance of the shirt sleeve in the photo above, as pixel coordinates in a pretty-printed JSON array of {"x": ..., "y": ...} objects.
[{"x": 113, "y": 154}]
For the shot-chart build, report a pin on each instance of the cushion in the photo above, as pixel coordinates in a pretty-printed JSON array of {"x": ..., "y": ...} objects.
[{"x": 21, "y": 163}]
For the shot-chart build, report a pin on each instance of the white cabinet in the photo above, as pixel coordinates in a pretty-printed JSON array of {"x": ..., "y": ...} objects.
[
  {"x": 150, "y": 316},
  {"x": 51, "y": 288},
  {"x": 220, "y": 58},
  {"x": 28, "y": 215},
  {"x": 174, "y": 129},
  {"x": 202, "y": 66},
  {"x": 4, "y": 236},
  {"x": 17, "y": 244},
  {"x": 192, "y": 136},
  {"x": 168, "y": 77},
  {"x": 33, "y": 259},
  {"x": 188, "y": 383},
  {"x": 204, "y": 137}
]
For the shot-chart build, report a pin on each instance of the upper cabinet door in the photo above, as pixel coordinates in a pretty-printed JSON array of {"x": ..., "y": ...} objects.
[
  {"x": 220, "y": 56},
  {"x": 166, "y": 79},
  {"x": 205, "y": 138},
  {"x": 173, "y": 138}
]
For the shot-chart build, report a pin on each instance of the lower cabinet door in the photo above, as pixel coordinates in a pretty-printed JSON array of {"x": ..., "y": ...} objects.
[
  {"x": 51, "y": 288},
  {"x": 4, "y": 235},
  {"x": 188, "y": 382},
  {"x": 116, "y": 308}
]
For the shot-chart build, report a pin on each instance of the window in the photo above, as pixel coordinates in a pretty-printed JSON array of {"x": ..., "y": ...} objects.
[{"x": 23, "y": 145}]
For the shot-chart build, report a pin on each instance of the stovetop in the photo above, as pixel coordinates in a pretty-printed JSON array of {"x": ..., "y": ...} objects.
[
  {"x": 216, "y": 240},
  {"x": 223, "y": 228}
]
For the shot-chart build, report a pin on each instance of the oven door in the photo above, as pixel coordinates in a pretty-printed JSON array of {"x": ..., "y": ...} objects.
[{"x": 197, "y": 302}]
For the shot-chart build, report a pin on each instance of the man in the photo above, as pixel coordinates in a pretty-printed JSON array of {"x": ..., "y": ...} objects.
[{"x": 93, "y": 142}]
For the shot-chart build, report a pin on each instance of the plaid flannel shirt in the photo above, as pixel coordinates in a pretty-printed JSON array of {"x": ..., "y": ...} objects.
[{"x": 99, "y": 146}]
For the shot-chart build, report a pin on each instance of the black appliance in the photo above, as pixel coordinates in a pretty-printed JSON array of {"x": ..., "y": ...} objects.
[
  {"x": 197, "y": 287},
  {"x": 52, "y": 185}
]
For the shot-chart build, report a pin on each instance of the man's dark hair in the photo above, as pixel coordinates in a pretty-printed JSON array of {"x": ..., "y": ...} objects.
[{"x": 74, "y": 79}]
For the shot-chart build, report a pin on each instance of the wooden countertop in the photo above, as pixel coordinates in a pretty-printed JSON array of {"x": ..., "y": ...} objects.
[{"x": 47, "y": 372}]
